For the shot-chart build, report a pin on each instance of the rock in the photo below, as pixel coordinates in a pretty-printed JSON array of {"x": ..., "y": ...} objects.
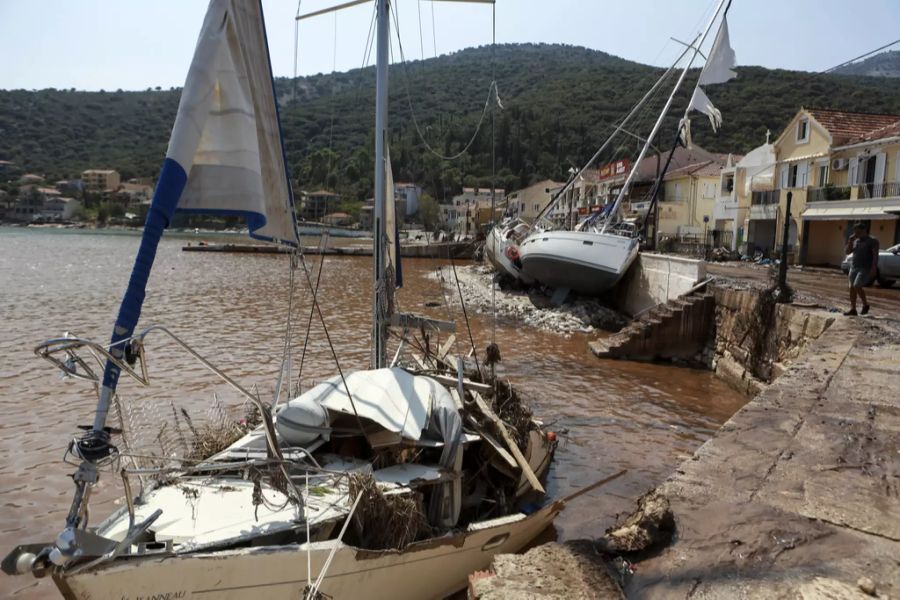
[
  {"x": 866, "y": 585},
  {"x": 651, "y": 525}
]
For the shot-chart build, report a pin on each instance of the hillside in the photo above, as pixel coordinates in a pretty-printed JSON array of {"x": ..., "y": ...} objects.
[
  {"x": 558, "y": 104},
  {"x": 885, "y": 64}
]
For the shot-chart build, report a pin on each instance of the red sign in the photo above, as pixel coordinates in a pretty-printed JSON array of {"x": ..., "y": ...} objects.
[
  {"x": 620, "y": 167},
  {"x": 582, "y": 210}
]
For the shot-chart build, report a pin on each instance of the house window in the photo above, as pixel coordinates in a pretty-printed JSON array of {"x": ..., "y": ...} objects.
[
  {"x": 803, "y": 130},
  {"x": 727, "y": 184},
  {"x": 792, "y": 176},
  {"x": 822, "y": 175},
  {"x": 537, "y": 206}
]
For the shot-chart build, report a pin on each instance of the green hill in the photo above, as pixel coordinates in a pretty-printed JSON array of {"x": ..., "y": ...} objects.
[
  {"x": 885, "y": 64},
  {"x": 559, "y": 102}
]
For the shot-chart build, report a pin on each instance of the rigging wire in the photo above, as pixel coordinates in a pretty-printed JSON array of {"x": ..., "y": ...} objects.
[
  {"x": 296, "y": 48},
  {"x": 493, "y": 166},
  {"x": 853, "y": 60},
  {"x": 493, "y": 94}
]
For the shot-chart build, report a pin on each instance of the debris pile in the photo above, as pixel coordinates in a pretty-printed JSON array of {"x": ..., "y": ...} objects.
[{"x": 534, "y": 307}]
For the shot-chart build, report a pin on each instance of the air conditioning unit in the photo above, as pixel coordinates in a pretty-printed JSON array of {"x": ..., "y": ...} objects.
[{"x": 839, "y": 164}]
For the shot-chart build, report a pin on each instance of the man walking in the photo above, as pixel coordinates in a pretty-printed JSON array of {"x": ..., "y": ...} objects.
[{"x": 863, "y": 265}]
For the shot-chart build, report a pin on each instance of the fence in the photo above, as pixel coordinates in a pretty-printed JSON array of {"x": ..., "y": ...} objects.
[{"x": 700, "y": 245}]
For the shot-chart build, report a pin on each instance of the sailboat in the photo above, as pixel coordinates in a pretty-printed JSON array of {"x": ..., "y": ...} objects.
[
  {"x": 501, "y": 248},
  {"x": 594, "y": 256},
  {"x": 395, "y": 481}
]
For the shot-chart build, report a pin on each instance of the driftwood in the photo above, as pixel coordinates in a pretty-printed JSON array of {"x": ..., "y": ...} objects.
[{"x": 510, "y": 442}]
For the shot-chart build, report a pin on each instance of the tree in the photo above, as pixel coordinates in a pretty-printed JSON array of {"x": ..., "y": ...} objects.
[{"x": 429, "y": 212}]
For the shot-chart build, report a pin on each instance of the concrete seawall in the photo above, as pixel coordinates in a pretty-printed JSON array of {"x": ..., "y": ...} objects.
[
  {"x": 655, "y": 279},
  {"x": 798, "y": 495}
]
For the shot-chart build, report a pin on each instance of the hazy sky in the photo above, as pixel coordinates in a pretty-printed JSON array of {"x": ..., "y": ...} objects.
[{"x": 130, "y": 44}]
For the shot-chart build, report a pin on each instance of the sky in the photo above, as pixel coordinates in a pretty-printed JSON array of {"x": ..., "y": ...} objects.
[{"x": 133, "y": 45}]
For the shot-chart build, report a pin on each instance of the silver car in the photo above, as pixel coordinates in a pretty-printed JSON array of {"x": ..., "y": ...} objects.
[{"x": 888, "y": 271}]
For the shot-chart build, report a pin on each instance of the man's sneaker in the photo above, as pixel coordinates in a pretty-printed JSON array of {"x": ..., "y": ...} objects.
[
  {"x": 850, "y": 313},
  {"x": 865, "y": 309}
]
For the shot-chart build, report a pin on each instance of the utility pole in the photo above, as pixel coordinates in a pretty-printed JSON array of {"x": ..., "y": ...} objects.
[{"x": 783, "y": 293}]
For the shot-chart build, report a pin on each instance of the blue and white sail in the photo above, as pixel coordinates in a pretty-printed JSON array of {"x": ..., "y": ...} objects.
[{"x": 225, "y": 155}]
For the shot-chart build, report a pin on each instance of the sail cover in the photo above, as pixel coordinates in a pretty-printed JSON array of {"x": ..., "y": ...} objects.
[
  {"x": 391, "y": 222},
  {"x": 227, "y": 136}
]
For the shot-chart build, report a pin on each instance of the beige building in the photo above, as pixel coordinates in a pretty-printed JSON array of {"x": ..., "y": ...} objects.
[
  {"x": 528, "y": 202},
  {"x": 804, "y": 152},
  {"x": 862, "y": 183},
  {"x": 100, "y": 180},
  {"x": 688, "y": 199}
]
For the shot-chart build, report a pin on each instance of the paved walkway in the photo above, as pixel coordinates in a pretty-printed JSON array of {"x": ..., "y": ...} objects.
[
  {"x": 798, "y": 496},
  {"x": 825, "y": 286}
]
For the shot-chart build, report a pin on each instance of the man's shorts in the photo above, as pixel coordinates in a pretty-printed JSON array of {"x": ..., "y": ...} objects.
[{"x": 859, "y": 277}]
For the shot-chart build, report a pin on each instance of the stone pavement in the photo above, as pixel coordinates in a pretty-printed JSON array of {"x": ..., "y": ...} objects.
[{"x": 798, "y": 495}]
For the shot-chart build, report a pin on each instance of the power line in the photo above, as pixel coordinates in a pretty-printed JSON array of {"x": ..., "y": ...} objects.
[{"x": 852, "y": 60}]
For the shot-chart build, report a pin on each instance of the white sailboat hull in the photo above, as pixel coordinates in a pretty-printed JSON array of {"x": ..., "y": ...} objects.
[
  {"x": 586, "y": 262},
  {"x": 430, "y": 569},
  {"x": 495, "y": 251}
]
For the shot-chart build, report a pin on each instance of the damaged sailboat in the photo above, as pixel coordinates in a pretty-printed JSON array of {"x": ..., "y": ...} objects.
[
  {"x": 395, "y": 481},
  {"x": 592, "y": 258}
]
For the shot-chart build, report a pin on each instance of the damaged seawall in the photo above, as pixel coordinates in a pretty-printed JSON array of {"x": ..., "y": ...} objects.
[{"x": 798, "y": 494}]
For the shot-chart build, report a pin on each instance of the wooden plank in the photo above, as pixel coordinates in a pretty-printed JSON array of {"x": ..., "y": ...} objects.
[
  {"x": 497, "y": 446},
  {"x": 469, "y": 385},
  {"x": 511, "y": 443},
  {"x": 414, "y": 322},
  {"x": 446, "y": 347}
]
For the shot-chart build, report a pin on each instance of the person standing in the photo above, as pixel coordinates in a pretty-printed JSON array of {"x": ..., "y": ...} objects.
[{"x": 863, "y": 266}]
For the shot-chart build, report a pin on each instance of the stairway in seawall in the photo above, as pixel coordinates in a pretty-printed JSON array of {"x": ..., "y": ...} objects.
[{"x": 679, "y": 329}]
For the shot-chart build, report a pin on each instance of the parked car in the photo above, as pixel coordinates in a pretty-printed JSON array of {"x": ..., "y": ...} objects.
[{"x": 888, "y": 271}]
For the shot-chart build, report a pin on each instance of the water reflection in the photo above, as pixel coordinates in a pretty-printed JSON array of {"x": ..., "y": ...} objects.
[{"x": 610, "y": 414}]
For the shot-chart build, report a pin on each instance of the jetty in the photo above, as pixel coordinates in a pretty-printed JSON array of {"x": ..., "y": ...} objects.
[{"x": 457, "y": 250}]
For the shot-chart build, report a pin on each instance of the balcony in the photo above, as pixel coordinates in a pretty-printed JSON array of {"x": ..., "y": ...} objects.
[
  {"x": 829, "y": 192},
  {"x": 868, "y": 191},
  {"x": 765, "y": 198}
]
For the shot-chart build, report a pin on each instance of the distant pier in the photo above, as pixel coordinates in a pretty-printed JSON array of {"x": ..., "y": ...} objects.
[{"x": 459, "y": 250}]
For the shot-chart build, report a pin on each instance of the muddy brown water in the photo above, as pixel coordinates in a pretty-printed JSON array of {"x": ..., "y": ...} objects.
[{"x": 610, "y": 415}]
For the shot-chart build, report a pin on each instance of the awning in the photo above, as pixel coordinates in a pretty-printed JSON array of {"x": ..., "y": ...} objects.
[
  {"x": 849, "y": 213},
  {"x": 805, "y": 157}
]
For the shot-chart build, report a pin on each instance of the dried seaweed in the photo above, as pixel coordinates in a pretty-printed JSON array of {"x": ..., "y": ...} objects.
[{"x": 385, "y": 522}]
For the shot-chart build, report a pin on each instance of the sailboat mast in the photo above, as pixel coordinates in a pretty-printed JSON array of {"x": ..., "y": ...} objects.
[
  {"x": 379, "y": 299},
  {"x": 662, "y": 115}
]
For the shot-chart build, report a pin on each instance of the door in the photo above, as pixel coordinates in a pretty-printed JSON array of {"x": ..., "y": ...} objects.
[{"x": 878, "y": 176}]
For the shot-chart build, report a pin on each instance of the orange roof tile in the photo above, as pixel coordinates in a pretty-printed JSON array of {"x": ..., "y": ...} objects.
[
  {"x": 892, "y": 130},
  {"x": 844, "y": 125}
]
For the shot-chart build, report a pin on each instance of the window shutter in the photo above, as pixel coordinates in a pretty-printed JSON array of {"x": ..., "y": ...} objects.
[
  {"x": 879, "y": 167},
  {"x": 784, "y": 177},
  {"x": 897, "y": 167},
  {"x": 802, "y": 174},
  {"x": 852, "y": 171}
]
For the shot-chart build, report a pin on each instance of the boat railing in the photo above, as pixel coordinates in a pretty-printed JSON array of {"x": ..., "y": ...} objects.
[{"x": 63, "y": 353}]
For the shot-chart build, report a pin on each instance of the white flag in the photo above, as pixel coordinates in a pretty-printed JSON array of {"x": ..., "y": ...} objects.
[
  {"x": 700, "y": 102},
  {"x": 718, "y": 67}
]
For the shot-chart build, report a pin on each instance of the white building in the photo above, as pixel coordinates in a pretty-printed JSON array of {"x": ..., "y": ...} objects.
[{"x": 59, "y": 208}]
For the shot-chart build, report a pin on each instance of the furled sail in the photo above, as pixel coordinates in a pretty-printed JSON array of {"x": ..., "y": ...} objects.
[
  {"x": 225, "y": 156},
  {"x": 391, "y": 223}
]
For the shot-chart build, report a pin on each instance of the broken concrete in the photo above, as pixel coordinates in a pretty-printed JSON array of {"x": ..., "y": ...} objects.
[{"x": 569, "y": 571}]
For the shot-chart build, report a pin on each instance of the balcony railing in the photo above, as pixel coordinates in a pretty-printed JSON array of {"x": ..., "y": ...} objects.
[
  {"x": 828, "y": 192},
  {"x": 767, "y": 197},
  {"x": 888, "y": 189}
]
